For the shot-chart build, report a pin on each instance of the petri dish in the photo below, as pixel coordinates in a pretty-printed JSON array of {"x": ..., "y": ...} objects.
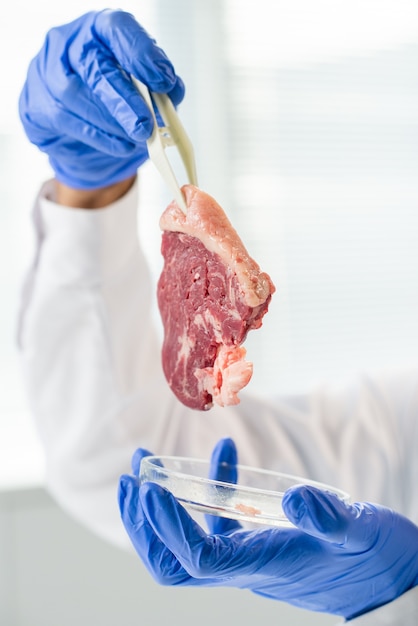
[{"x": 256, "y": 497}]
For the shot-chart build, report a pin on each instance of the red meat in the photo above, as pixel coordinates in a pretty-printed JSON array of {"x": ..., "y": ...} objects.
[{"x": 210, "y": 294}]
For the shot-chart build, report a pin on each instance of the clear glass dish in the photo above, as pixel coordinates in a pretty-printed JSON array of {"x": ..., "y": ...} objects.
[{"x": 256, "y": 498}]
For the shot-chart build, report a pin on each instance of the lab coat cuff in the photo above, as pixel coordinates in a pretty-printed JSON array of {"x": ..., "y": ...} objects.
[{"x": 86, "y": 246}]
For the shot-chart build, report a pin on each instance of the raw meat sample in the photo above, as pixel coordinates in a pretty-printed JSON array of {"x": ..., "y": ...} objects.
[{"x": 210, "y": 294}]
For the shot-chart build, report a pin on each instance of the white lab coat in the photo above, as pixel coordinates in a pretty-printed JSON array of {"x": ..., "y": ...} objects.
[{"x": 92, "y": 370}]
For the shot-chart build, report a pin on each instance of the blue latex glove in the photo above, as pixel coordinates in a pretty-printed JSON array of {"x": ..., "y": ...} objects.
[
  {"x": 79, "y": 105},
  {"x": 340, "y": 559}
]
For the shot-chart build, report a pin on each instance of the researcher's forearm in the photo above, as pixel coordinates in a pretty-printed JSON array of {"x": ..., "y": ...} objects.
[{"x": 91, "y": 198}]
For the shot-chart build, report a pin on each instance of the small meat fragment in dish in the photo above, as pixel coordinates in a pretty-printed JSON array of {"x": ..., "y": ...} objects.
[{"x": 247, "y": 510}]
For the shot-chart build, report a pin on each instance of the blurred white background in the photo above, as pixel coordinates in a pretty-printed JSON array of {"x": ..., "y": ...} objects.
[{"x": 304, "y": 117}]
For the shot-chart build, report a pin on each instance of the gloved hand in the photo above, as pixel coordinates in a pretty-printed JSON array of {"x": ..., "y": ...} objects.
[
  {"x": 341, "y": 559},
  {"x": 79, "y": 105}
]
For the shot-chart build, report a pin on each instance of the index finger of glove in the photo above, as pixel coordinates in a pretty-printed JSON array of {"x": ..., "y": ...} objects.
[
  {"x": 223, "y": 467},
  {"x": 137, "y": 53},
  {"x": 137, "y": 457},
  {"x": 111, "y": 46},
  {"x": 135, "y": 50},
  {"x": 223, "y": 462}
]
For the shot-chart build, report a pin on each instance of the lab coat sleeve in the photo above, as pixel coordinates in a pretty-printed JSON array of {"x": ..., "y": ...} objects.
[{"x": 91, "y": 361}]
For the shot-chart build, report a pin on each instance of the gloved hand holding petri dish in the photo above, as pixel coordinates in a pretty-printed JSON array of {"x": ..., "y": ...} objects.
[{"x": 315, "y": 550}]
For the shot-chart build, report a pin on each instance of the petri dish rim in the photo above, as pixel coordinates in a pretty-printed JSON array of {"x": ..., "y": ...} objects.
[{"x": 295, "y": 479}]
